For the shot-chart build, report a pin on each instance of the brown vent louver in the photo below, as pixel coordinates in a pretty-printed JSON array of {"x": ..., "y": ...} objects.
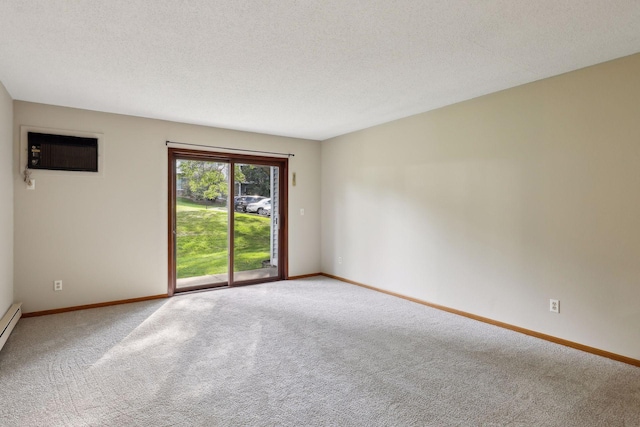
[{"x": 61, "y": 152}]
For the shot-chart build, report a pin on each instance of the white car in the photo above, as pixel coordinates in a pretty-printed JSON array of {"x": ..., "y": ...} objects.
[{"x": 260, "y": 207}]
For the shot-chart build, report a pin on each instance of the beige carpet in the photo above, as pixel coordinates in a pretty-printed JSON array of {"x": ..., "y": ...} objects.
[{"x": 312, "y": 352}]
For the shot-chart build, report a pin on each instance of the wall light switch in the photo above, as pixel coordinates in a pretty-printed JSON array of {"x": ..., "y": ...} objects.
[
  {"x": 302, "y": 211},
  {"x": 31, "y": 185}
]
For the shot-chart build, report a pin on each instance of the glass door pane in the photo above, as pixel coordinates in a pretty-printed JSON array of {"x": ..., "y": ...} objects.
[
  {"x": 201, "y": 223},
  {"x": 256, "y": 230}
]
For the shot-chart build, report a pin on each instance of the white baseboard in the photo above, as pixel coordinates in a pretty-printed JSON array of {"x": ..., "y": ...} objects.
[{"x": 9, "y": 321}]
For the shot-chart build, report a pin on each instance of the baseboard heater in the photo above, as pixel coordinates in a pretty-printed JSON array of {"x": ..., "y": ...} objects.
[{"x": 9, "y": 322}]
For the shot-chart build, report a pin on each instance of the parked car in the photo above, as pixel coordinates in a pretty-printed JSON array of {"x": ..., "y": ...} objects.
[
  {"x": 259, "y": 206},
  {"x": 240, "y": 203},
  {"x": 265, "y": 210}
]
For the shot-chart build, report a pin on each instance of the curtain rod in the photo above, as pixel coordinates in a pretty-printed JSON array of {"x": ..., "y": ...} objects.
[{"x": 229, "y": 148}]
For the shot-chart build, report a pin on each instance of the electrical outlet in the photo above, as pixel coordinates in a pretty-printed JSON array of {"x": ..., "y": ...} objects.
[
  {"x": 57, "y": 285},
  {"x": 554, "y": 305},
  {"x": 302, "y": 212}
]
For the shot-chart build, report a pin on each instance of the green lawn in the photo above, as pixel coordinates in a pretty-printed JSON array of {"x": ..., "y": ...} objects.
[
  {"x": 201, "y": 244},
  {"x": 189, "y": 205}
]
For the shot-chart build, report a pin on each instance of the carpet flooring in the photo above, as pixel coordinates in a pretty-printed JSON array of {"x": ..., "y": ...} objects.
[{"x": 312, "y": 352}]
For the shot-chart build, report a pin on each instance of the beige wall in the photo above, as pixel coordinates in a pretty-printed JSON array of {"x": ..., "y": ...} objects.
[
  {"x": 6, "y": 201},
  {"x": 106, "y": 236},
  {"x": 495, "y": 205}
]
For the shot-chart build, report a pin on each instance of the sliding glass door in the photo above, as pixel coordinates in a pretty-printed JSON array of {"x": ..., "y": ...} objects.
[
  {"x": 225, "y": 219},
  {"x": 202, "y": 223},
  {"x": 256, "y": 222}
]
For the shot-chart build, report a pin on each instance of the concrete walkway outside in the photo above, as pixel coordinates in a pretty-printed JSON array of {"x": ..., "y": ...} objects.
[{"x": 238, "y": 276}]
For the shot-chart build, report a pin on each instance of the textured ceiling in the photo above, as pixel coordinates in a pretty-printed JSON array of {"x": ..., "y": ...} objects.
[{"x": 309, "y": 69}]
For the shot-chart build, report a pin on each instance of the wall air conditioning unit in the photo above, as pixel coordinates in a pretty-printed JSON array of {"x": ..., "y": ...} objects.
[{"x": 62, "y": 152}]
